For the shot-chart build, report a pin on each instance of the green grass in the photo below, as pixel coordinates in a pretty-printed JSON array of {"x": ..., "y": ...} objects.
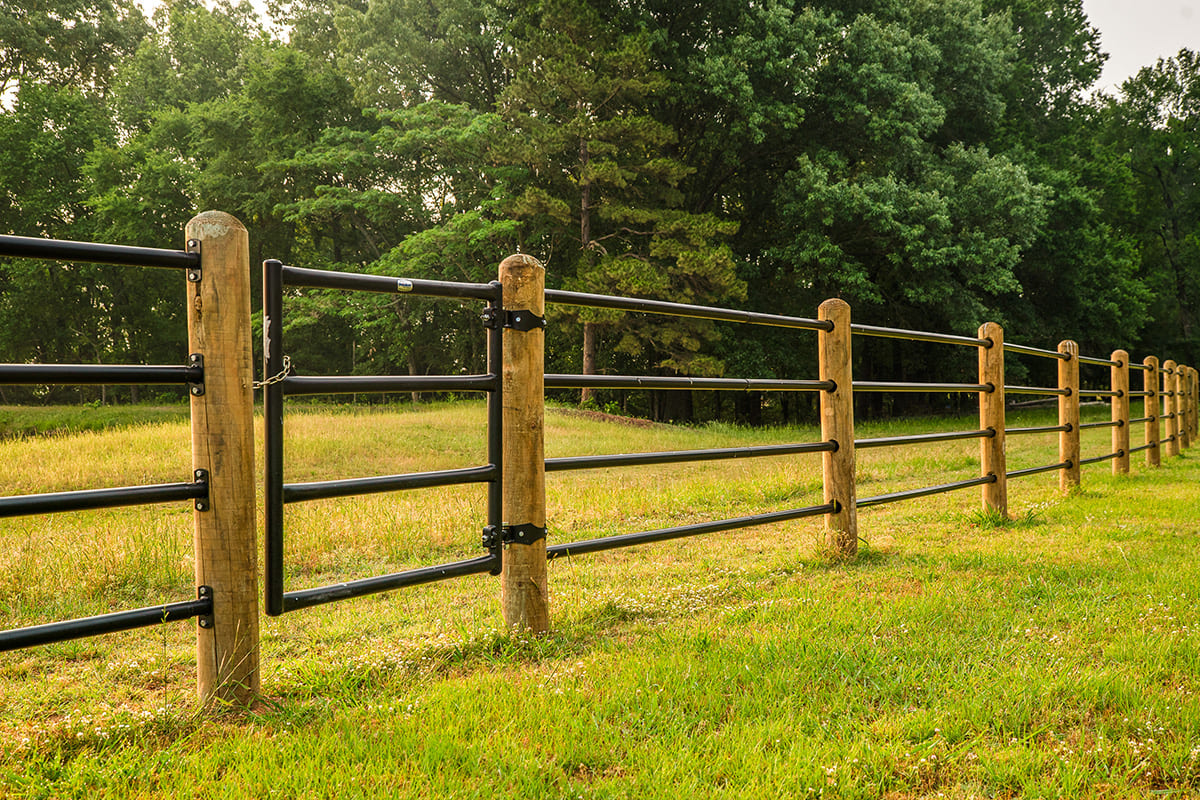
[
  {"x": 1054, "y": 655},
  {"x": 22, "y": 421}
]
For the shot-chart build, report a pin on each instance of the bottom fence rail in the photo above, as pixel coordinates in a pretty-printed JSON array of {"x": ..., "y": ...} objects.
[
  {"x": 663, "y": 534},
  {"x": 105, "y": 623}
]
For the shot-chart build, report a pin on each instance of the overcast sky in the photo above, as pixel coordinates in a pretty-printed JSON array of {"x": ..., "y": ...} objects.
[{"x": 1136, "y": 33}]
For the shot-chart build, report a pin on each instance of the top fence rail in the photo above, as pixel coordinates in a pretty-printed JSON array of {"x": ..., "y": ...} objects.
[
  {"x": 918, "y": 336},
  {"x": 121, "y": 255},
  {"x": 327, "y": 279},
  {"x": 683, "y": 310}
]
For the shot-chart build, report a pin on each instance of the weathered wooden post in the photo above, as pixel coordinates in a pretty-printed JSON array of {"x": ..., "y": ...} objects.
[
  {"x": 1120, "y": 412},
  {"x": 1195, "y": 404},
  {"x": 837, "y": 425},
  {"x": 1150, "y": 384},
  {"x": 1170, "y": 409},
  {"x": 1184, "y": 379},
  {"x": 991, "y": 417},
  {"x": 1068, "y": 415},
  {"x": 523, "y": 589},
  {"x": 223, "y": 447}
]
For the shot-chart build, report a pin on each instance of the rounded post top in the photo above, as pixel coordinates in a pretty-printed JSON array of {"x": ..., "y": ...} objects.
[
  {"x": 1069, "y": 347},
  {"x": 993, "y": 331},
  {"x": 1121, "y": 357},
  {"x": 520, "y": 261},
  {"x": 213, "y": 225}
]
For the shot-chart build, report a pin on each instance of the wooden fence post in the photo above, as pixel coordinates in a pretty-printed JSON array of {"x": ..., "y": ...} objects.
[
  {"x": 1195, "y": 404},
  {"x": 1184, "y": 379},
  {"x": 223, "y": 446},
  {"x": 524, "y": 594},
  {"x": 1170, "y": 409},
  {"x": 1152, "y": 411},
  {"x": 1120, "y": 412},
  {"x": 837, "y": 425},
  {"x": 991, "y": 416},
  {"x": 1068, "y": 414}
]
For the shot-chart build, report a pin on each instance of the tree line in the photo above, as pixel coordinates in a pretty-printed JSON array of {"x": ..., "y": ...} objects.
[{"x": 937, "y": 164}]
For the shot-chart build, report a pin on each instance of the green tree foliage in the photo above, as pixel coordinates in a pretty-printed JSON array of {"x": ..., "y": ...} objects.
[
  {"x": 938, "y": 163},
  {"x": 66, "y": 43},
  {"x": 1154, "y": 125}
]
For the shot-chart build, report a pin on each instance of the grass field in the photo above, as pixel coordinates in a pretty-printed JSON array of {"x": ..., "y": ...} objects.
[{"x": 1055, "y": 656}]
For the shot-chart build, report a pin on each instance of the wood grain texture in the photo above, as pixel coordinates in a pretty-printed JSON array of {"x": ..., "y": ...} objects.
[
  {"x": 837, "y": 425},
  {"x": 1119, "y": 377},
  {"x": 993, "y": 460},
  {"x": 523, "y": 592},
  {"x": 1068, "y": 414},
  {"x": 1170, "y": 409},
  {"x": 1152, "y": 409},
  {"x": 223, "y": 443}
]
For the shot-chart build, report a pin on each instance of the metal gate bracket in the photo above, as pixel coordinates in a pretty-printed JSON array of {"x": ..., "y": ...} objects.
[
  {"x": 205, "y": 620},
  {"x": 520, "y": 320},
  {"x": 193, "y": 273},
  {"x": 512, "y": 534},
  {"x": 196, "y": 387},
  {"x": 201, "y": 476}
]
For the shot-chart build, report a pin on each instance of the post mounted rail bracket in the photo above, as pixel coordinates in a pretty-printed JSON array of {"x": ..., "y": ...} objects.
[
  {"x": 494, "y": 540},
  {"x": 520, "y": 320},
  {"x": 201, "y": 477},
  {"x": 193, "y": 273},
  {"x": 205, "y": 620},
  {"x": 196, "y": 366}
]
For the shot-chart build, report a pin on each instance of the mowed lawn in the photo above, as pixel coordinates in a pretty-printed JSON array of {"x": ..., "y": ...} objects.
[{"x": 1056, "y": 656}]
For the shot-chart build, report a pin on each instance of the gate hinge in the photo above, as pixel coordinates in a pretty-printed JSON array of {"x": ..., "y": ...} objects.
[
  {"x": 520, "y": 320},
  {"x": 512, "y": 534}
]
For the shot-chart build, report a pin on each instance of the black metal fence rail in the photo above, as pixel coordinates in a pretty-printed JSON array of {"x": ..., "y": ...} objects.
[
  {"x": 1010, "y": 347},
  {"x": 684, "y": 456},
  {"x": 881, "y": 332},
  {"x": 1036, "y": 390},
  {"x": 1039, "y": 429},
  {"x": 92, "y": 252},
  {"x": 77, "y": 374},
  {"x": 1021, "y": 473},
  {"x": 91, "y": 499},
  {"x": 276, "y": 276},
  {"x": 683, "y": 310},
  {"x": 908, "y": 494},
  {"x": 663, "y": 534},
  {"x": 191, "y": 374},
  {"x": 19, "y": 638},
  {"x": 554, "y": 381}
]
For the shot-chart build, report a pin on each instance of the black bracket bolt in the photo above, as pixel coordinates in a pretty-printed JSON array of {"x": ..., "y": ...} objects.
[
  {"x": 196, "y": 387},
  {"x": 520, "y": 320},
  {"x": 205, "y": 620},
  {"x": 193, "y": 273},
  {"x": 201, "y": 477}
]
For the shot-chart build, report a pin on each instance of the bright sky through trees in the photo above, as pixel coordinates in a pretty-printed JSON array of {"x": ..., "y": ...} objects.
[{"x": 1137, "y": 34}]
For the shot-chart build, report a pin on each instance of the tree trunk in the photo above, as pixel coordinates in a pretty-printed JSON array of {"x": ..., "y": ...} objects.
[
  {"x": 589, "y": 359},
  {"x": 412, "y": 370}
]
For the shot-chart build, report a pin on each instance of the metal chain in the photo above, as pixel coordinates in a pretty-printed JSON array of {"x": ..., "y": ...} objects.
[{"x": 283, "y": 373}]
